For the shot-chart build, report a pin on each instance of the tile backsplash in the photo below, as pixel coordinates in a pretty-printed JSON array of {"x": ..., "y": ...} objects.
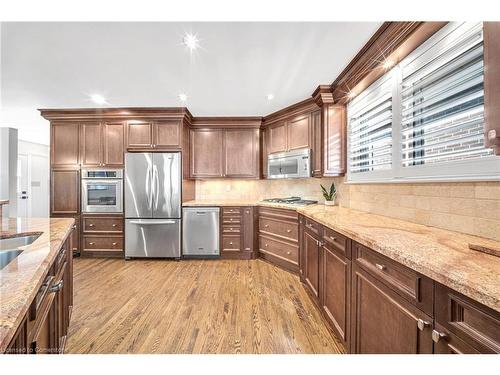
[{"x": 472, "y": 208}]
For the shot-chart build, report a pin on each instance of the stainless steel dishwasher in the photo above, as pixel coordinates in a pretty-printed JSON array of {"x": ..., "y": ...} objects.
[{"x": 200, "y": 232}]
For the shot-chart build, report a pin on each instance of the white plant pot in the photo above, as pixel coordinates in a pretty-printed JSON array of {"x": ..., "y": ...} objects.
[{"x": 330, "y": 203}]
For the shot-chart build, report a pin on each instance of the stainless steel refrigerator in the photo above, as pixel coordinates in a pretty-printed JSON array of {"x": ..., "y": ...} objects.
[{"x": 153, "y": 205}]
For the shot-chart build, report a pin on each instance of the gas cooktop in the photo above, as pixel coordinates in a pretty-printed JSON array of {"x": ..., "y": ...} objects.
[{"x": 291, "y": 200}]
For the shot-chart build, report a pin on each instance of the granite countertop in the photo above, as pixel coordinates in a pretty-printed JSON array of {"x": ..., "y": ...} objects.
[
  {"x": 4, "y": 201},
  {"x": 439, "y": 254},
  {"x": 23, "y": 276},
  {"x": 236, "y": 203}
]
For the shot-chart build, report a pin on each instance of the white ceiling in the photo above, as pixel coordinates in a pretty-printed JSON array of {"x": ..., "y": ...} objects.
[{"x": 58, "y": 65}]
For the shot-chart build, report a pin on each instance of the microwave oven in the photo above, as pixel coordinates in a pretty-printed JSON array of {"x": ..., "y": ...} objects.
[{"x": 291, "y": 164}]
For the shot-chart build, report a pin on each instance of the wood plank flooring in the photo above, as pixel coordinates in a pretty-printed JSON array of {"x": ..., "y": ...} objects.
[{"x": 192, "y": 306}]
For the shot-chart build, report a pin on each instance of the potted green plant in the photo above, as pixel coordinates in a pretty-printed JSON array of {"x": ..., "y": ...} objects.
[{"x": 329, "y": 195}]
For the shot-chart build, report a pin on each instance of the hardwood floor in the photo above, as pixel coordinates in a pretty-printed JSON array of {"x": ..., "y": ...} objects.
[{"x": 195, "y": 306}]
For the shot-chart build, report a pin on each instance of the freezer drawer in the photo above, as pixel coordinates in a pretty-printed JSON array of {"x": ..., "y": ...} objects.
[
  {"x": 153, "y": 238},
  {"x": 200, "y": 235}
]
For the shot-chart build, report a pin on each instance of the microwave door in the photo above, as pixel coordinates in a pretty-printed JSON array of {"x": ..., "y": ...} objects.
[
  {"x": 290, "y": 167},
  {"x": 274, "y": 168}
]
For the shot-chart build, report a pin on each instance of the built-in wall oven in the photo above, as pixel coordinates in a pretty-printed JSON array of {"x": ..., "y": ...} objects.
[{"x": 102, "y": 190}]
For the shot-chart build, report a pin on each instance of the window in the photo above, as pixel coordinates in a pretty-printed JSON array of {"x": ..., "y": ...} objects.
[{"x": 435, "y": 127}]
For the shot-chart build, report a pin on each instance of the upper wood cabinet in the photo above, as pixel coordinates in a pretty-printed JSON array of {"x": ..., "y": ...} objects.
[
  {"x": 276, "y": 138},
  {"x": 217, "y": 153},
  {"x": 158, "y": 135},
  {"x": 317, "y": 144},
  {"x": 206, "y": 148},
  {"x": 241, "y": 153},
  {"x": 65, "y": 146},
  {"x": 298, "y": 132},
  {"x": 334, "y": 129},
  {"x": 102, "y": 144}
]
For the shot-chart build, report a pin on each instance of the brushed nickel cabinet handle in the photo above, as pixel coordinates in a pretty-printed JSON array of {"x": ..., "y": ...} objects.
[
  {"x": 266, "y": 226},
  {"x": 288, "y": 230},
  {"x": 56, "y": 287},
  {"x": 288, "y": 252},
  {"x": 114, "y": 244},
  {"x": 437, "y": 336},
  {"x": 333, "y": 238},
  {"x": 114, "y": 225},
  {"x": 380, "y": 266},
  {"x": 422, "y": 324},
  {"x": 91, "y": 243},
  {"x": 265, "y": 244},
  {"x": 91, "y": 225},
  {"x": 230, "y": 243}
]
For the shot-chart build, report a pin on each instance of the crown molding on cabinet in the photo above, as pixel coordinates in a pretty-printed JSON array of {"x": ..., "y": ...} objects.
[
  {"x": 226, "y": 122},
  {"x": 307, "y": 105}
]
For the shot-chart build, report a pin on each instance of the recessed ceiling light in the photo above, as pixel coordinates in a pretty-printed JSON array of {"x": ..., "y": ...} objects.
[
  {"x": 270, "y": 96},
  {"x": 183, "y": 97},
  {"x": 191, "y": 41},
  {"x": 98, "y": 99}
]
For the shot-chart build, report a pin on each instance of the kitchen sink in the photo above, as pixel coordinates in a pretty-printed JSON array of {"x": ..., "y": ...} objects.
[{"x": 9, "y": 248}]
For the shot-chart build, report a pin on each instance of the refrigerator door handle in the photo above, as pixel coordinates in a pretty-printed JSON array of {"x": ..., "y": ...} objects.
[
  {"x": 148, "y": 182},
  {"x": 138, "y": 222},
  {"x": 156, "y": 182}
]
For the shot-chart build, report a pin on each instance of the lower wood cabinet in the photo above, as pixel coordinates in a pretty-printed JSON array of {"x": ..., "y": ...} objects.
[
  {"x": 279, "y": 237},
  {"x": 45, "y": 326},
  {"x": 102, "y": 235},
  {"x": 238, "y": 232},
  {"x": 311, "y": 248},
  {"x": 64, "y": 191}
]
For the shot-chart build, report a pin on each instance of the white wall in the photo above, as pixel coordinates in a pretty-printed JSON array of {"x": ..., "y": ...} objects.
[{"x": 8, "y": 170}]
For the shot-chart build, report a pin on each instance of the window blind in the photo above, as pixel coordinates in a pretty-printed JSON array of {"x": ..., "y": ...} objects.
[
  {"x": 370, "y": 128},
  {"x": 442, "y": 99}
]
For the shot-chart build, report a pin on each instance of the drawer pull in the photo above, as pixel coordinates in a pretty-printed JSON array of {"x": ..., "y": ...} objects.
[
  {"x": 230, "y": 243},
  {"x": 380, "y": 266},
  {"x": 114, "y": 244},
  {"x": 288, "y": 230},
  {"x": 230, "y": 229},
  {"x": 114, "y": 225},
  {"x": 437, "y": 336},
  {"x": 91, "y": 225},
  {"x": 56, "y": 287},
  {"x": 265, "y": 244},
  {"x": 266, "y": 226},
  {"x": 91, "y": 243},
  {"x": 422, "y": 324},
  {"x": 333, "y": 238},
  {"x": 288, "y": 252}
]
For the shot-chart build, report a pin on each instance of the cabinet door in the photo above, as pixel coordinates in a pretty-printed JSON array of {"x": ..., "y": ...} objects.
[
  {"x": 64, "y": 145},
  {"x": 317, "y": 144},
  {"x": 302, "y": 259},
  {"x": 311, "y": 267},
  {"x": 264, "y": 153},
  {"x": 167, "y": 134},
  {"x": 334, "y": 137},
  {"x": 139, "y": 135},
  {"x": 114, "y": 140},
  {"x": 206, "y": 153},
  {"x": 248, "y": 230},
  {"x": 241, "y": 153},
  {"x": 383, "y": 322},
  {"x": 64, "y": 191},
  {"x": 276, "y": 138},
  {"x": 91, "y": 142},
  {"x": 44, "y": 339},
  {"x": 60, "y": 309},
  {"x": 335, "y": 276},
  {"x": 299, "y": 132},
  {"x": 446, "y": 342}
]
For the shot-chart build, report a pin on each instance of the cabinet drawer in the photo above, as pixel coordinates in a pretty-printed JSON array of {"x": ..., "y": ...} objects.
[
  {"x": 231, "y": 210},
  {"x": 231, "y": 243},
  {"x": 279, "y": 213},
  {"x": 409, "y": 284},
  {"x": 279, "y": 249},
  {"x": 61, "y": 259},
  {"x": 231, "y": 220},
  {"x": 102, "y": 224},
  {"x": 336, "y": 240},
  {"x": 94, "y": 243},
  {"x": 474, "y": 323},
  {"x": 312, "y": 226},
  {"x": 287, "y": 230},
  {"x": 231, "y": 229}
]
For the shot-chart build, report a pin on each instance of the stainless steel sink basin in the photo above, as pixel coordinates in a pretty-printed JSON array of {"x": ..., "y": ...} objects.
[{"x": 9, "y": 248}]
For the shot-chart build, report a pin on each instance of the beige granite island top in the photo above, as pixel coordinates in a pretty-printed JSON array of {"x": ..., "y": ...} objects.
[
  {"x": 23, "y": 276},
  {"x": 440, "y": 254}
]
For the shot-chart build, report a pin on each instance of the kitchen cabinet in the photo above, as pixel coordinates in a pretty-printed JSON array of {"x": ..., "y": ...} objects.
[
  {"x": 311, "y": 248},
  {"x": 237, "y": 232},
  {"x": 278, "y": 237},
  {"x": 206, "y": 148},
  {"x": 276, "y": 138},
  {"x": 385, "y": 322},
  {"x": 241, "y": 153},
  {"x": 64, "y": 145},
  {"x": 298, "y": 132},
  {"x": 64, "y": 191},
  {"x": 44, "y": 328},
  {"x": 160, "y": 135},
  {"x": 224, "y": 153},
  {"x": 317, "y": 144},
  {"x": 446, "y": 342},
  {"x": 102, "y": 235},
  {"x": 334, "y": 131},
  {"x": 335, "y": 288},
  {"x": 102, "y": 144}
]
